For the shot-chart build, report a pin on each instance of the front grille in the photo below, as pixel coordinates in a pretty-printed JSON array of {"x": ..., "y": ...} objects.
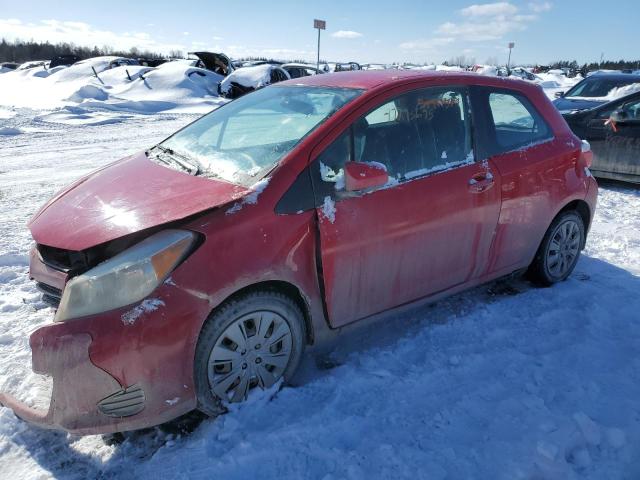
[
  {"x": 124, "y": 403},
  {"x": 61, "y": 259},
  {"x": 50, "y": 295}
]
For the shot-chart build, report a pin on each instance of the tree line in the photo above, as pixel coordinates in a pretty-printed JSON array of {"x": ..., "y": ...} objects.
[
  {"x": 19, "y": 51},
  {"x": 22, "y": 51}
]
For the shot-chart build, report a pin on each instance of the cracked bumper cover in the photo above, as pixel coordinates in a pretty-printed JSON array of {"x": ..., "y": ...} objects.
[{"x": 108, "y": 377}]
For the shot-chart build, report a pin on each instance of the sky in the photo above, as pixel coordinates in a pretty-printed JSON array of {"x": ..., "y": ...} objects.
[{"x": 365, "y": 31}]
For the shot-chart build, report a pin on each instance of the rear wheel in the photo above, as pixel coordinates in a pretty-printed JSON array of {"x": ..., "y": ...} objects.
[
  {"x": 560, "y": 249},
  {"x": 250, "y": 342}
]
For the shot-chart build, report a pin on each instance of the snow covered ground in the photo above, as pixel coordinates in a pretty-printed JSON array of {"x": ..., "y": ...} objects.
[{"x": 503, "y": 382}]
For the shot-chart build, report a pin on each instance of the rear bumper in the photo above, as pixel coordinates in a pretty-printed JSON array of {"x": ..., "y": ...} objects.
[{"x": 591, "y": 198}]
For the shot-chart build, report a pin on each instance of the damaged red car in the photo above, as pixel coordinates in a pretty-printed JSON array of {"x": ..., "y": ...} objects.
[{"x": 189, "y": 274}]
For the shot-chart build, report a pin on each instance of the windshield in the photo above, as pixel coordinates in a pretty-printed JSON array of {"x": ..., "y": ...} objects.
[
  {"x": 598, "y": 87},
  {"x": 243, "y": 140}
]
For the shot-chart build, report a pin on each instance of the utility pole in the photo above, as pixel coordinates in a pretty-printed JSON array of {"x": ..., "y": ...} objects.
[
  {"x": 320, "y": 25},
  {"x": 511, "y": 45}
]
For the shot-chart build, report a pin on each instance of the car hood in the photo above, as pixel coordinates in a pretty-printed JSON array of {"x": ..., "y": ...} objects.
[
  {"x": 125, "y": 197},
  {"x": 568, "y": 104}
]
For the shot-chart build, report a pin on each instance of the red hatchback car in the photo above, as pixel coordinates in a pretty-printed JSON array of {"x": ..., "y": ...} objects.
[{"x": 189, "y": 274}]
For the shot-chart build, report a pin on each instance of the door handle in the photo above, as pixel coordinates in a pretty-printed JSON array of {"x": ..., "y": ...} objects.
[{"x": 480, "y": 182}]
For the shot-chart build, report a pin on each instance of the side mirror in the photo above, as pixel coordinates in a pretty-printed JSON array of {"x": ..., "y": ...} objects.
[
  {"x": 559, "y": 94},
  {"x": 363, "y": 175}
]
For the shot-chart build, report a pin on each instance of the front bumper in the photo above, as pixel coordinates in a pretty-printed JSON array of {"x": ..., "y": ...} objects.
[{"x": 113, "y": 376}]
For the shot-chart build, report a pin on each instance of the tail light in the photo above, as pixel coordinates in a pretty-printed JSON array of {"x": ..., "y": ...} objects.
[{"x": 586, "y": 155}]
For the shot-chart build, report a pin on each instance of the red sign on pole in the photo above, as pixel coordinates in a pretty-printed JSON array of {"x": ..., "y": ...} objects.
[
  {"x": 512, "y": 44},
  {"x": 320, "y": 24}
]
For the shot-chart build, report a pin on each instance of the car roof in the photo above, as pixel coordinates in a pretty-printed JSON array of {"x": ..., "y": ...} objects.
[
  {"x": 615, "y": 76},
  {"x": 370, "y": 79}
]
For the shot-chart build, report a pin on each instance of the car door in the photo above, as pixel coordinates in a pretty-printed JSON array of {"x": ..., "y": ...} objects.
[
  {"x": 620, "y": 151},
  {"x": 428, "y": 229},
  {"x": 516, "y": 139}
]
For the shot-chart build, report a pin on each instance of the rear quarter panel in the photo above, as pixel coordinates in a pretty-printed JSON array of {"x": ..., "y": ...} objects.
[{"x": 538, "y": 181}]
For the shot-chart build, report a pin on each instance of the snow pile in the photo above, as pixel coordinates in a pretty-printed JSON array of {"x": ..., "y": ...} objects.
[
  {"x": 104, "y": 83},
  {"x": 445, "y": 68},
  {"x": 620, "y": 92},
  {"x": 555, "y": 81},
  {"x": 248, "y": 77},
  {"x": 487, "y": 70}
]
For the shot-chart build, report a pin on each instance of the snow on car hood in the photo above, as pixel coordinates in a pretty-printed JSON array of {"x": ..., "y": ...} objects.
[
  {"x": 249, "y": 77},
  {"x": 130, "y": 195}
]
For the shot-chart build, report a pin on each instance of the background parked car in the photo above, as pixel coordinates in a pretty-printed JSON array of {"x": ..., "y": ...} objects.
[
  {"x": 9, "y": 65},
  {"x": 63, "y": 60},
  {"x": 347, "y": 67},
  {"x": 246, "y": 79},
  {"x": 297, "y": 70},
  {"x": 216, "y": 62},
  {"x": 613, "y": 130},
  {"x": 594, "y": 90}
]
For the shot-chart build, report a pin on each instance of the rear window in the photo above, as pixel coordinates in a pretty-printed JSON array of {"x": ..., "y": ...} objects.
[{"x": 516, "y": 122}]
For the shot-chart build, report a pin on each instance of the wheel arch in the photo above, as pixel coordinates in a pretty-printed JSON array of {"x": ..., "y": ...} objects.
[
  {"x": 285, "y": 288},
  {"x": 582, "y": 208}
]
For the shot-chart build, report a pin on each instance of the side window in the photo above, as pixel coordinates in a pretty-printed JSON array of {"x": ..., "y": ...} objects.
[
  {"x": 415, "y": 134},
  {"x": 516, "y": 122},
  {"x": 632, "y": 110},
  {"x": 386, "y": 113}
]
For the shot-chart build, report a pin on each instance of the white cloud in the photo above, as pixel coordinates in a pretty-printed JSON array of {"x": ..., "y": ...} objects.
[
  {"x": 489, "y": 9},
  {"x": 80, "y": 33},
  {"x": 484, "y": 22},
  {"x": 346, "y": 34},
  {"x": 491, "y": 30},
  {"x": 426, "y": 44},
  {"x": 539, "y": 7},
  {"x": 239, "y": 51}
]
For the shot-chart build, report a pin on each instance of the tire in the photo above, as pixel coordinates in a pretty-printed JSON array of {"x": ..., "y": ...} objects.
[
  {"x": 251, "y": 341},
  {"x": 560, "y": 249}
]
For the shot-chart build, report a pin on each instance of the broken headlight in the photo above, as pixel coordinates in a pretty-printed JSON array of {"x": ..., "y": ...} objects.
[{"x": 128, "y": 277}]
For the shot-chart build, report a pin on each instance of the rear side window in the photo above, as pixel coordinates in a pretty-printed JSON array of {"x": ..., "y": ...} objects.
[{"x": 516, "y": 122}]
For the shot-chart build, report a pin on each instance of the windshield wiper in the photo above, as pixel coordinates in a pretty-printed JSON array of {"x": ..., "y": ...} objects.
[{"x": 187, "y": 164}]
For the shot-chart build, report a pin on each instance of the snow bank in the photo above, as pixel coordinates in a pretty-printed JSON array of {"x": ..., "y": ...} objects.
[
  {"x": 173, "y": 86},
  {"x": 445, "y": 68},
  {"x": 487, "y": 70}
]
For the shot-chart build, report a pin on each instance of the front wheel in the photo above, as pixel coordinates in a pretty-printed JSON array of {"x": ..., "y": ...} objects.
[
  {"x": 252, "y": 341},
  {"x": 560, "y": 249}
]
